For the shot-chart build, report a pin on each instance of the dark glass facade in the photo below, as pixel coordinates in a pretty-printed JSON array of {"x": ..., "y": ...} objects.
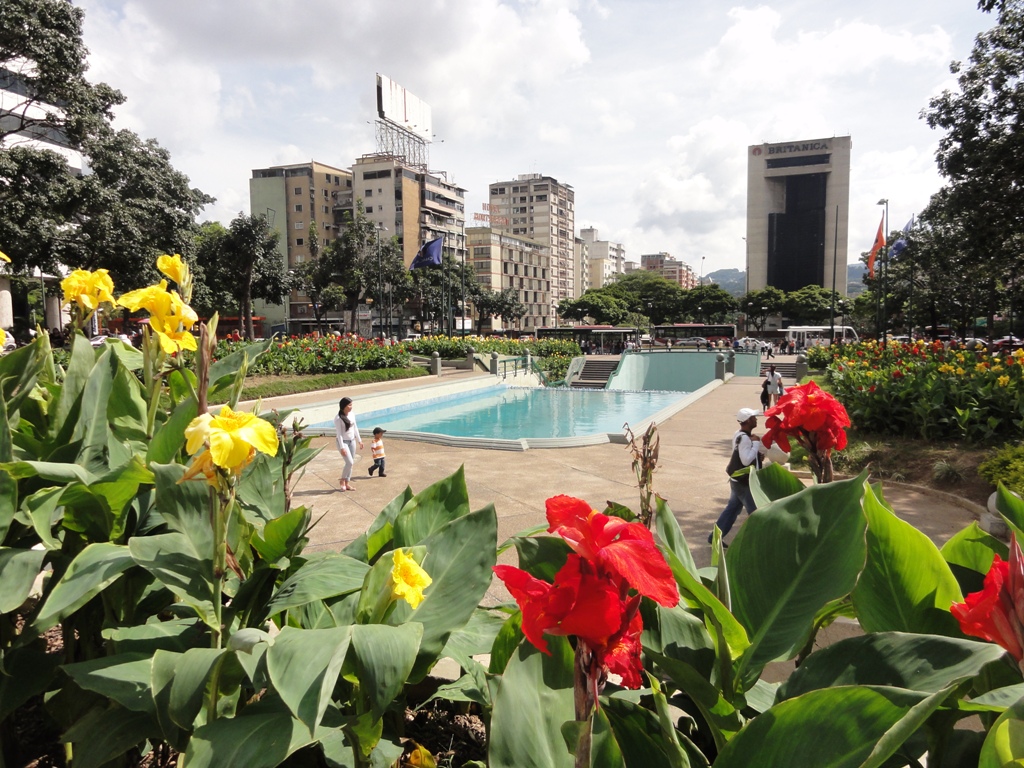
[{"x": 796, "y": 238}]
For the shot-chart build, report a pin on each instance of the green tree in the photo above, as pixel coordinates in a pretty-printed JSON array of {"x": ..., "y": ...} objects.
[
  {"x": 810, "y": 305},
  {"x": 761, "y": 303},
  {"x": 596, "y": 304},
  {"x": 707, "y": 304},
  {"x": 246, "y": 266},
  {"x": 649, "y": 294}
]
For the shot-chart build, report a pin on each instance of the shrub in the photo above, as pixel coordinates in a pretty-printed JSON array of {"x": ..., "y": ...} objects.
[{"x": 1007, "y": 467}]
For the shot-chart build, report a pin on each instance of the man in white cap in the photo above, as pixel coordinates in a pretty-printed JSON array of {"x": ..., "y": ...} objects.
[{"x": 746, "y": 452}]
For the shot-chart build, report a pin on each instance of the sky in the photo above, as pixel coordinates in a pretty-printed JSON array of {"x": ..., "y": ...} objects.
[{"x": 645, "y": 107}]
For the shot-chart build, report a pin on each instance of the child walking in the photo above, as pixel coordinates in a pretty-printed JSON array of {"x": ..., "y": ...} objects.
[{"x": 377, "y": 451}]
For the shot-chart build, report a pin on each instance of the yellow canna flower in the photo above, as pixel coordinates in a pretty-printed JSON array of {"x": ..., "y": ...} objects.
[
  {"x": 996, "y": 368},
  {"x": 88, "y": 289},
  {"x": 153, "y": 298},
  {"x": 233, "y": 438},
  {"x": 1018, "y": 353},
  {"x": 169, "y": 316},
  {"x": 173, "y": 267},
  {"x": 959, "y": 371},
  {"x": 946, "y": 368},
  {"x": 408, "y": 579},
  {"x": 1002, "y": 381},
  {"x": 5, "y": 257}
]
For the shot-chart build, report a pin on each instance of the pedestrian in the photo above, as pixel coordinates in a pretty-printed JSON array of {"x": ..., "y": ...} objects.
[
  {"x": 346, "y": 435},
  {"x": 377, "y": 451},
  {"x": 775, "y": 388},
  {"x": 765, "y": 398},
  {"x": 746, "y": 452}
]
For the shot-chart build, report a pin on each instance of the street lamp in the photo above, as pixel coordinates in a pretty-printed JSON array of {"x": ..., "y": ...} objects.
[
  {"x": 702, "y": 270},
  {"x": 380, "y": 285},
  {"x": 763, "y": 319},
  {"x": 885, "y": 267}
]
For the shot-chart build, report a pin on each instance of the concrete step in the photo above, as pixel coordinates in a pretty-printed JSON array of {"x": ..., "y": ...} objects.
[{"x": 788, "y": 370}]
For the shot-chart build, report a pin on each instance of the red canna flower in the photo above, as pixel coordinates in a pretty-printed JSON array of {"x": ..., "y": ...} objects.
[
  {"x": 815, "y": 419},
  {"x": 995, "y": 613},
  {"x": 624, "y": 549}
]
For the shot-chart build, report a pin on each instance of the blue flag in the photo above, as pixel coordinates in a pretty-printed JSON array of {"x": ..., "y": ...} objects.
[
  {"x": 429, "y": 254},
  {"x": 901, "y": 243}
]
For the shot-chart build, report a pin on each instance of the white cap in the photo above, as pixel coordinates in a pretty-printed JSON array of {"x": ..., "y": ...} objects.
[{"x": 745, "y": 413}]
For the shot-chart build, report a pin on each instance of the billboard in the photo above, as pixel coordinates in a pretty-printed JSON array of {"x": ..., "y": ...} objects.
[{"x": 398, "y": 106}]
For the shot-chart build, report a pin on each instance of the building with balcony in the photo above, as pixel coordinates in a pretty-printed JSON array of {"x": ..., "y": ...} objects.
[
  {"x": 541, "y": 209},
  {"x": 502, "y": 261},
  {"x": 298, "y": 202},
  {"x": 678, "y": 272}
]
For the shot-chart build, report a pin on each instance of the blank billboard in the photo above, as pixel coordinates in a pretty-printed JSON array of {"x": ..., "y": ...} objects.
[{"x": 397, "y": 105}]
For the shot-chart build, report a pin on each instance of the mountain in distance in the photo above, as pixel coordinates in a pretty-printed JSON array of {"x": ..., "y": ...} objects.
[{"x": 734, "y": 281}]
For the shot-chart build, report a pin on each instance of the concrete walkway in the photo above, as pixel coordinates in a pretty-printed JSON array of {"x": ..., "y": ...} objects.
[{"x": 690, "y": 477}]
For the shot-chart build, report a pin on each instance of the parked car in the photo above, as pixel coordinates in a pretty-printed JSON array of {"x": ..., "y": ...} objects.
[{"x": 695, "y": 341}]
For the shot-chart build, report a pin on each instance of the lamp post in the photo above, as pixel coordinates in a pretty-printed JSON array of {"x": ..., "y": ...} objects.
[
  {"x": 763, "y": 319},
  {"x": 380, "y": 284},
  {"x": 701, "y": 281},
  {"x": 841, "y": 304},
  {"x": 885, "y": 266}
]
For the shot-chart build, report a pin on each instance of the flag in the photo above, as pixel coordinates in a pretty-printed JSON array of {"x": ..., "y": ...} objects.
[
  {"x": 901, "y": 243},
  {"x": 879, "y": 244},
  {"x": 429, "y": 254}
]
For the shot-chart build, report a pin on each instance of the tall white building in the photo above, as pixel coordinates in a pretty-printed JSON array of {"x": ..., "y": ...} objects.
[
  {"x": 606, "y": 259},
  {"x": 542, "y": 209}
]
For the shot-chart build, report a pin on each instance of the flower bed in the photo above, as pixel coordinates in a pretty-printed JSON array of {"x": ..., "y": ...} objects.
[
  {"x": 926, "y": 390},
  {"x": 326, "y": 354}
]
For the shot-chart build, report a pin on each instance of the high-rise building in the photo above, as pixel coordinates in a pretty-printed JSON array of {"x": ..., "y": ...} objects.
[
  {"x": 798, "y": 201},
  {"x": 502, "y": 261},
  {"x": 413, "y": 205},
  {"x": 606, "y": 259},
  {"x": 581, "y": 265},
  {"x": 298, "y": 202},
  {"x": 541, "y": 209}
]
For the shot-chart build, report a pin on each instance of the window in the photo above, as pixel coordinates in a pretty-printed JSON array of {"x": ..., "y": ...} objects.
[
  {"x": 299, "y": 241},
  {"x": 369, "y": 193},
  {"x": 298, "y": 207},
  {"x": 541, "y": 198},
  {"x": 299, "y": 225},
  {"x": 298, "y": 190},
  {"x": 326, "y": 209},
  {"x": 326, "y": 193},
  {"x": 327, "y": 226}
]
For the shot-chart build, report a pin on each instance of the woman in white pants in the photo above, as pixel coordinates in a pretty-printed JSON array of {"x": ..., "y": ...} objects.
[{"x": 346, "y": 434}]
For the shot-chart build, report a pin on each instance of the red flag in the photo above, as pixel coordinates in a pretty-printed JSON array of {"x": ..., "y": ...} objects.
[{"x": 878, "y": 245}]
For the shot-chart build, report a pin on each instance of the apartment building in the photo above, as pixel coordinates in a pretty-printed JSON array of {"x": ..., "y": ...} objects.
[
  {"x": 581, "y": 265},
  {"x": 670, "y": 268},
  {"x": 606, "y": 260},
  {"x": 541, "y": 209},
  {"x": 501, "y": 261},
  {"x": 298, "y": 202},
  {"x": 412, "y": 205}
]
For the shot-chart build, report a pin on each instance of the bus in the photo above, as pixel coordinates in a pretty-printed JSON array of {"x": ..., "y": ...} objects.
[
  {"x": 596, "y": 339},
  {"x": 662, "y": 334},
  {"x": 806, "y": 336}
]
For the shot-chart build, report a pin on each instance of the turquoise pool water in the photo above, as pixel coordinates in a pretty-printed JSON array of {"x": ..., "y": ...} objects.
[{"x": 503, "y": 413}]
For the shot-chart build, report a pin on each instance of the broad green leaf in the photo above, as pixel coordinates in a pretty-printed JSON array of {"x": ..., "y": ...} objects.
[
  {"x": 26, "y": 672},
  {"x": 18, "y": 571},
  {"x": 19, "y": 371},
  {"x": 666, "y": 529},
  {"x": 506, "y": 643},
  {"x": 319, "y": 578},
  {"x": 906, "y": 585},
  {"x": 378, "y": 536},
  {"x": 124, "y": 678},
  {"x": 192, "y": 672},
  {"x": 722, "y": 717},
  {"x": 773, "y": 482},
  {"x": 384, "y": 659},
  {"x": 185, "y": 507},
  {"x": 906, "y": 727},
  {"x": 222, "y": 372},
  {"x": 604, "y": 749},
  {"x": 431, "y": 509},
  {"x": 51, "y": 471},
  {"x": 471, "y": 687},
  {"x": 104, "y": 734},
  {"x": 1011, "y": 507},
  {"x": 175, "y": 563},
  {"x": 477, "y": 637},
  {"x": 533, "y": 699},
  {"x": 843, "y": 725},
  {"x": 1000, "y": 698},
  {"x": 541, "y": 556},
  {"x": 263, "y": 736},
  {"x": 926, "y": 663},
  {"x": 93, "y": 569},
  {"x": 640, "y": 735},
  {"x": 42, "y": 508},
  {"x": 790, "y": 559},
  {"x": 126, "y": 409},
  {"x": 679, "y": 634},
  {"x": 161, "y": 680},
  {"x": 8, "y": 502},
  {"x": 80, "y": 365},
  {"x": 176, "y": 635},
  {"x": 460, "y": 556},
  {"x": 969, "y": 554},
  {"x": 281, "y": 535},
  {"x": 92, "y": 427},
  {"x": 669, "y": 736},
  {"x": 1004, "y": 745},
  {"x": 303, "y": 665},
  {"x": 376, "y": 598},
  {"x": 169, "y": 437}
]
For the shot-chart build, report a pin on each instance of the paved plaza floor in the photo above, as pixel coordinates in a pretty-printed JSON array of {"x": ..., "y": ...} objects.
[{"x": 690, "y": 476}]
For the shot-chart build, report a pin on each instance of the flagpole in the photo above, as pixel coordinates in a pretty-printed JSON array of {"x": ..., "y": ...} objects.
[
  {"x": 885, "y": 266},
  {"x": 835, "y": 265}
]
